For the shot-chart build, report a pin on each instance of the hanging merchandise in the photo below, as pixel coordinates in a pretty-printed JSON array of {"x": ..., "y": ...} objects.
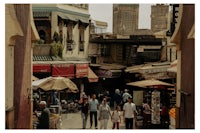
[{"x": 155, "y": 104}]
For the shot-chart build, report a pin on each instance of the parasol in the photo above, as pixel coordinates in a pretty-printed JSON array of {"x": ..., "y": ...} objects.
[
  {"x": 55, "y": 83},
  {"x": 34, "y": 78},
  {"x": 149, "y": 83}
]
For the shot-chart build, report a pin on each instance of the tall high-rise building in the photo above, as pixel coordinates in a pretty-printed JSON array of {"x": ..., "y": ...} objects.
[
  {"x": 159, "y": 17},
  {"x": 125, "y": 18}
]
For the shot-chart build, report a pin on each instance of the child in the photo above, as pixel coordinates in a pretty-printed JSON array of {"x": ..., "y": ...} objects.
[{"x": 116, "y": 119}]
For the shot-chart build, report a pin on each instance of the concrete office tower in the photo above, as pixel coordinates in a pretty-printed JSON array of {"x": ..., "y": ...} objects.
[
  {"x": 159, "y": 17},
  {"x": 125, "y": 18}
]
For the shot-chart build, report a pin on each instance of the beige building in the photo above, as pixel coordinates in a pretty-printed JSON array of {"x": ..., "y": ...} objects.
[
  {"x": 98, "y": 26},
  {"x": 70, "y": 21},
  {"x": 125, "y": 18},
  {"x": 159, "y": 17}
]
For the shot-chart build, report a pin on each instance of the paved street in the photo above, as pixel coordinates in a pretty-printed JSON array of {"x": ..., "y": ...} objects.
[{"x": 74, "y": 121}]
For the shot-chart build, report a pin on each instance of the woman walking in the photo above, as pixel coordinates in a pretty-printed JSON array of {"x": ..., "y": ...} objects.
[
  {"x": 116, "y": 119},
  {"x": 84, "y": 111},
  {"x": 104, "y": 112}
]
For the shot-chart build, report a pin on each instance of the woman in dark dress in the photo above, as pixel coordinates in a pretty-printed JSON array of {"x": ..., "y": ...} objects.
[{"x": 84, "y": 111}]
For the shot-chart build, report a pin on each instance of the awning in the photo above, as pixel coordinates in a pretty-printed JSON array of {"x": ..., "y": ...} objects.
[
  {"x": 42, "y": 58},
  {"x": 108, "y": 73},
  {"x": 68, "y": 17},
  {"x": 41, "y": 68},
  {"x": 41, "y": 14},
  {"x": 173, "y": 67},
  {"x": 34, "y": 78},
  {"x": 74, "y": 18},
  {"x": 81, "y": 70},
  {"x": 64, "y": 70},
  {"x": 92, "y": 77}
]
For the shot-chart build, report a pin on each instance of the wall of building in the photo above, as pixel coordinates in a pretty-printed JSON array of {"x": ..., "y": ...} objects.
[
  {"x": 159, "y": 17},
  {"x": 22, "y": 69},
  {"x": 79, "y": 11},
  {"x": 185, "y": 68},
  {"x": 125, "y": 18},
  {"x": 13, "y": 31},
  {"x": 187, "y": 73},
  {"x": 75, "y": 53}
]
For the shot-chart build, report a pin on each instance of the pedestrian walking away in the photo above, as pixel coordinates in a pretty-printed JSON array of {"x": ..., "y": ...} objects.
[
  {"x": 104, "y": 114},
  {"x": 93, "y": 107},
  {"x": 116, "y": 119},
  {"x": 125, "y": 96},
  {"x": 117, "y": 98},
  {"x": 84, "y": 111},
  {"x": 129, "y": 113}
]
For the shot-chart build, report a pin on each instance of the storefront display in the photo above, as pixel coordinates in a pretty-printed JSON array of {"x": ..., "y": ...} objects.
[
  {"x": 155, "y": 105},
  {"x": 55, "y": 121},
  {"x": 172, "y": 118}
]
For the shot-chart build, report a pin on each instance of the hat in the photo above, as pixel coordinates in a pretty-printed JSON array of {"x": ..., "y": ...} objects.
[{"x": 43, "y": 103}]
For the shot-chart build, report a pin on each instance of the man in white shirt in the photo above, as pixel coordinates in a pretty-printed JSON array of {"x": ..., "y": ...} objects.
[{"x": 129, "y": 113}]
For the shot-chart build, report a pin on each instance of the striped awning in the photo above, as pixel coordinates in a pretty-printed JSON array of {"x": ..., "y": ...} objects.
[
  {"x": 73, "y": 17},
  {"x": 92, "y": 77},
  {"x": 42, "y": 14},
  {"x": 42, "y": 58}
]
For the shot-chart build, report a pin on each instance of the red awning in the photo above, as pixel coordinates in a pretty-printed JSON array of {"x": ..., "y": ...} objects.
[
  {"x": 64, "y": 70},
  {"x": 41, "y": 68},
  {"x": 81, "y": 70},
  {"x": 92, "y": 77}
]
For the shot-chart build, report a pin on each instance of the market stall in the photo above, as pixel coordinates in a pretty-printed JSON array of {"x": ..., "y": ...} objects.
[
  {"x": 172, "y": 118},
  {"x": 55, "y": 121},
  {"x": 152, "y": 119},
  {"x": 52, "y": 86}
]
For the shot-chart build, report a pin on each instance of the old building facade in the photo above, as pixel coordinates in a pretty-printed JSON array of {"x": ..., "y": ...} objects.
[
  {"x": 70, "y": 22},
  {"x": 159, "y": 17},
  {"x": 125, "y": 18},
  {"x": 184, "y": 38}
]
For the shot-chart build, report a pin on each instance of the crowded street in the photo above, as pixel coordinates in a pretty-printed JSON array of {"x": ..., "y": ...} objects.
[
  {"x": 69, "y": 68},
  {"x": 74, "y": 121}
]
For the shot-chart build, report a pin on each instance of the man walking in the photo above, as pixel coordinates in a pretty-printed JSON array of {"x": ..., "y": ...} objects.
[
  {"x": 129, "y": 113},
  {"x": 93, "y": 107}
]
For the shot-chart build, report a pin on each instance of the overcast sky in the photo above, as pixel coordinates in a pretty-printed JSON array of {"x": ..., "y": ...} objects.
[{"x": 104, "y": 12}]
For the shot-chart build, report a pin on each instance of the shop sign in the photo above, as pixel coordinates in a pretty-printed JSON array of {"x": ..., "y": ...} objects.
[
  {"x": 81, "y": 70},
  {"x": 41, "y": 68},
  {"x": 64, "y": 70}
]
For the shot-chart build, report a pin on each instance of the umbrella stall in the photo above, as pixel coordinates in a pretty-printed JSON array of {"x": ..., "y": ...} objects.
[
  {"x": 155, "y": 87},
  {"x": 51, "y": 87}
]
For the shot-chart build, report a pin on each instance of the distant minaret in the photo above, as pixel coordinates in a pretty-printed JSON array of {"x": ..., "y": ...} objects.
[
  {"x": 159, "y": 17},
  {"x": 125, "y": 18}
]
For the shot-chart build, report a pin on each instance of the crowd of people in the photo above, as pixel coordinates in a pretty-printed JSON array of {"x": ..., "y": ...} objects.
[{"x": 99, "y": 111}]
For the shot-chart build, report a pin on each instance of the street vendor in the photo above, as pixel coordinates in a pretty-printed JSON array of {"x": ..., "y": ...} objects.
[{"x": 44, "y": 117}]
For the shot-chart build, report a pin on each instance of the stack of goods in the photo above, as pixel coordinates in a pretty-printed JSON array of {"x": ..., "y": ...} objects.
[
  {"x": 155, "y": 105},
  {"x": 172, "y": 116}
]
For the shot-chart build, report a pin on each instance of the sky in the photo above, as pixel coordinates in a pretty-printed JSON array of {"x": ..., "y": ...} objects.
[{"x": 106, "y": 15}]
